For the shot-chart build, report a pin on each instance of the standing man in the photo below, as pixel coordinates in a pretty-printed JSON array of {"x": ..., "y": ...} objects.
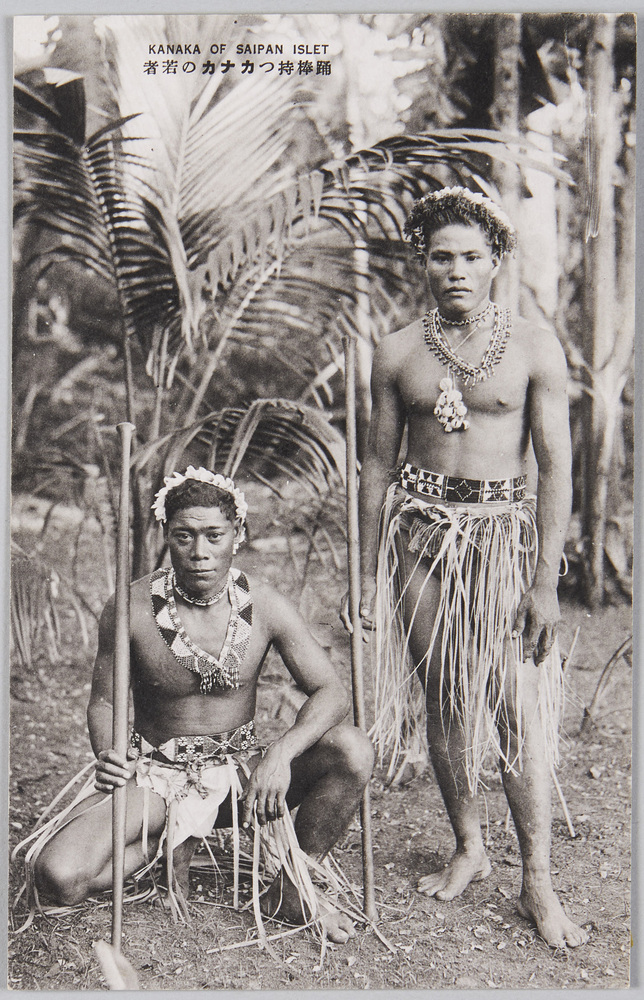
[
  {"x": 200, "y": 632},
  {"x": 459, "y": 564}
]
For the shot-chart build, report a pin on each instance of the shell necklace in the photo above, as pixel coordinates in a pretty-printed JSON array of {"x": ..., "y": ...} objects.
[
  {"x": 221, "y": 671},
  {"x": 476, "y": 318},
  {"x": 201, "y": 602},
  {"x": 450, "y": 408}
]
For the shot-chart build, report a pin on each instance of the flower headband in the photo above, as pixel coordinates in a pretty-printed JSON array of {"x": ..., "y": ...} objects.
[
  {"x": 203, "y": 476},
  {"x": 484, "y": 210}
]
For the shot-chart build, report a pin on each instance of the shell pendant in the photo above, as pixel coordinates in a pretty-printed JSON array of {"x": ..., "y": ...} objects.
[{"x": 450, "y": 408}]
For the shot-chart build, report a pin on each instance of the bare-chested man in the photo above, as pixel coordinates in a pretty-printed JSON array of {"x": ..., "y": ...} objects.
[
  {"x": 200, "y": 631},
  {"x": 460, "y": 589}
]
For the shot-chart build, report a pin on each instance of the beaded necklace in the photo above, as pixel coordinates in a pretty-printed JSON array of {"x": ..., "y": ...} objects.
[
  {"x": 450, "y": 408},
  {"x": 201, "y": 602},
  {"x": 477, "y": 318},
  {"x": 213, "y": 671}
]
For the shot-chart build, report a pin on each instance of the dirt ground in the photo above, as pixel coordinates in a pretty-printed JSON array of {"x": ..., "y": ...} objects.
[{"x": 477, "y": 941}]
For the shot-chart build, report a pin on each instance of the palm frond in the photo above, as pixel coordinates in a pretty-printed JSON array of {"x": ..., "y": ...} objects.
[
  {"x": 211, "y": 147},
  {"x": 269, "y": 436},
  {"x": 87, "y": 196},
  {"x": 290, "y": 310},
  {"x": 372, "y": 187},
  {"x": 210, "y": 143},
  {"x": 316, "y": 283}
]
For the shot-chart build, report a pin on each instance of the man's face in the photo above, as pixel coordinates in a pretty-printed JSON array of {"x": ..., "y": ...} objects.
[
  {"x": 200, "y": 540},
  {"x": 460, "y": 268}
]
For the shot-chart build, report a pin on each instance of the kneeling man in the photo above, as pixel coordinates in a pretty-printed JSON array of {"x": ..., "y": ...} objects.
[{"x": 200, "y": 632}]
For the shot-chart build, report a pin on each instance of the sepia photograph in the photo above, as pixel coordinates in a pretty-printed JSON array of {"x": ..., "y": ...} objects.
[{"x": 322, "y": 545}]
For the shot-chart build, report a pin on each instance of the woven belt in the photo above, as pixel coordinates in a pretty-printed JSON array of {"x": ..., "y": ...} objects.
[
  {"x": 453, "y": 489},
  {"x": 197, "y": 749}
]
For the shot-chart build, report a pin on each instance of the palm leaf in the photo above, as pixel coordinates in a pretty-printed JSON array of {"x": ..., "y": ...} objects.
[
  {"x": 212, "y": 147},
  {"x": 270, "y": 434},
  {"x": 80, "y": 193},
  {"x": 372, "y": 187},
  {"x": 293, "y": 310}
]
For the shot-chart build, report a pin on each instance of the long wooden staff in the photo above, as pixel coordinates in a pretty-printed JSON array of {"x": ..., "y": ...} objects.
[
  {"x": 118, "y": 972},
  {"x": 121, "y": 687},
  {"x": 353, "y": 552}
]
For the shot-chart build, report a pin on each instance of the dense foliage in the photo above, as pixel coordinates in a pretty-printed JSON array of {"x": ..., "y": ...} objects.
[{"x": 212, "y": 247}]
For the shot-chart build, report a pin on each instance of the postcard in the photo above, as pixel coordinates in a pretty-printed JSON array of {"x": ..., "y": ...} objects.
[{"x": 322, "y": 501}]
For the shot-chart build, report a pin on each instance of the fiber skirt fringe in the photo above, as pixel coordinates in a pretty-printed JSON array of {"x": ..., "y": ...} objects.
[
  {"x": 193, "y": 797},
  {"x": 483, "y": 556}
]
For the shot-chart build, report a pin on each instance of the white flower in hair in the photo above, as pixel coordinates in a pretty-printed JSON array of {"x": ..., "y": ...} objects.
[
  {"x": 485, "y": 211},
  {"x": 475, "y": 198},
  {"x": 202, "y": 475}
]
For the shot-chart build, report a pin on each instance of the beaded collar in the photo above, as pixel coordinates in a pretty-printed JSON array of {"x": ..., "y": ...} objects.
[{"x": 221, "y": 671}]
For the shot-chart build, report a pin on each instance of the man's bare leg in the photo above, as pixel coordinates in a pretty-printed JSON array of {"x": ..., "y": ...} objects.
[
  {"x": 77, "y": 861},
  {"x": 327, "y": 784},
  {"x": 469, "y": 863},
  {"x": 528, "y": 794},
  {"x": 181, "y": 858}
]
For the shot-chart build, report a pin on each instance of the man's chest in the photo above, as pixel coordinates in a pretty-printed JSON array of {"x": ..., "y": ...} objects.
[
  {"x": 170, "y": 662},
  {"x": 504, "y": 392}
]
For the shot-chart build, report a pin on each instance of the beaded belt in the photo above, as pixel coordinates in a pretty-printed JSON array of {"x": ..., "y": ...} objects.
[
  {"x": 453, "y": 489},
  {"x": 197, "y": 749}
]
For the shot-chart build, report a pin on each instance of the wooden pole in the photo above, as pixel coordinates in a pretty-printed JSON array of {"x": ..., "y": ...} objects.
[
  {"x": 353, "y": 551},
  {"x": 121, "y": 687}
]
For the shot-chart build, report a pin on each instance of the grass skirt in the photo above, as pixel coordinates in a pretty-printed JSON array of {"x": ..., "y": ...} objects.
[{"x": 483, "y": 556}]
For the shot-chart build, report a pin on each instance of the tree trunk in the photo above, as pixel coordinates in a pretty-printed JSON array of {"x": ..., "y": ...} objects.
[
  {"x": 144, "y": 539},
  {"x": 505, "y": 116},
  {"x": 626, "y": 253},
  {"x": 605, "y": 382}
]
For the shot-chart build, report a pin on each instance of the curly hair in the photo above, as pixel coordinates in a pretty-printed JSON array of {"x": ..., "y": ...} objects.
[
  {"x": 460, "y": 206},
  {"x": 192, "y": 493}
]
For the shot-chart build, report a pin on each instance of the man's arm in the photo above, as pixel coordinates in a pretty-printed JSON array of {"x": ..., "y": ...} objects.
[
  {"x": 327, "y": 705},
  {"x": 538, "y": 611},
  {"x": 383, "y": 444},
  {"x": 111, "y": 770}
]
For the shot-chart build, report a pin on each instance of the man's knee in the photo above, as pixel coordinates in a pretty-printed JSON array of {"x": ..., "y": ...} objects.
[
  {"x": 353, "y": 751},
  {"x": 61, "y": 879}
]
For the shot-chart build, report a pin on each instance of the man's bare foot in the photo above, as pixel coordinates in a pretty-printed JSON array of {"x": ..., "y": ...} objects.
[
  {"x": 462, "y": 868},
  {"x": 181, "y": 874},
  {"x": 339, "y": 927},
  {"x": 181, "y": 858},
  {"x": 282, "y": 901},
  {"x": 180, "y": 880},
  {"x": 544, "y": 909}
]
